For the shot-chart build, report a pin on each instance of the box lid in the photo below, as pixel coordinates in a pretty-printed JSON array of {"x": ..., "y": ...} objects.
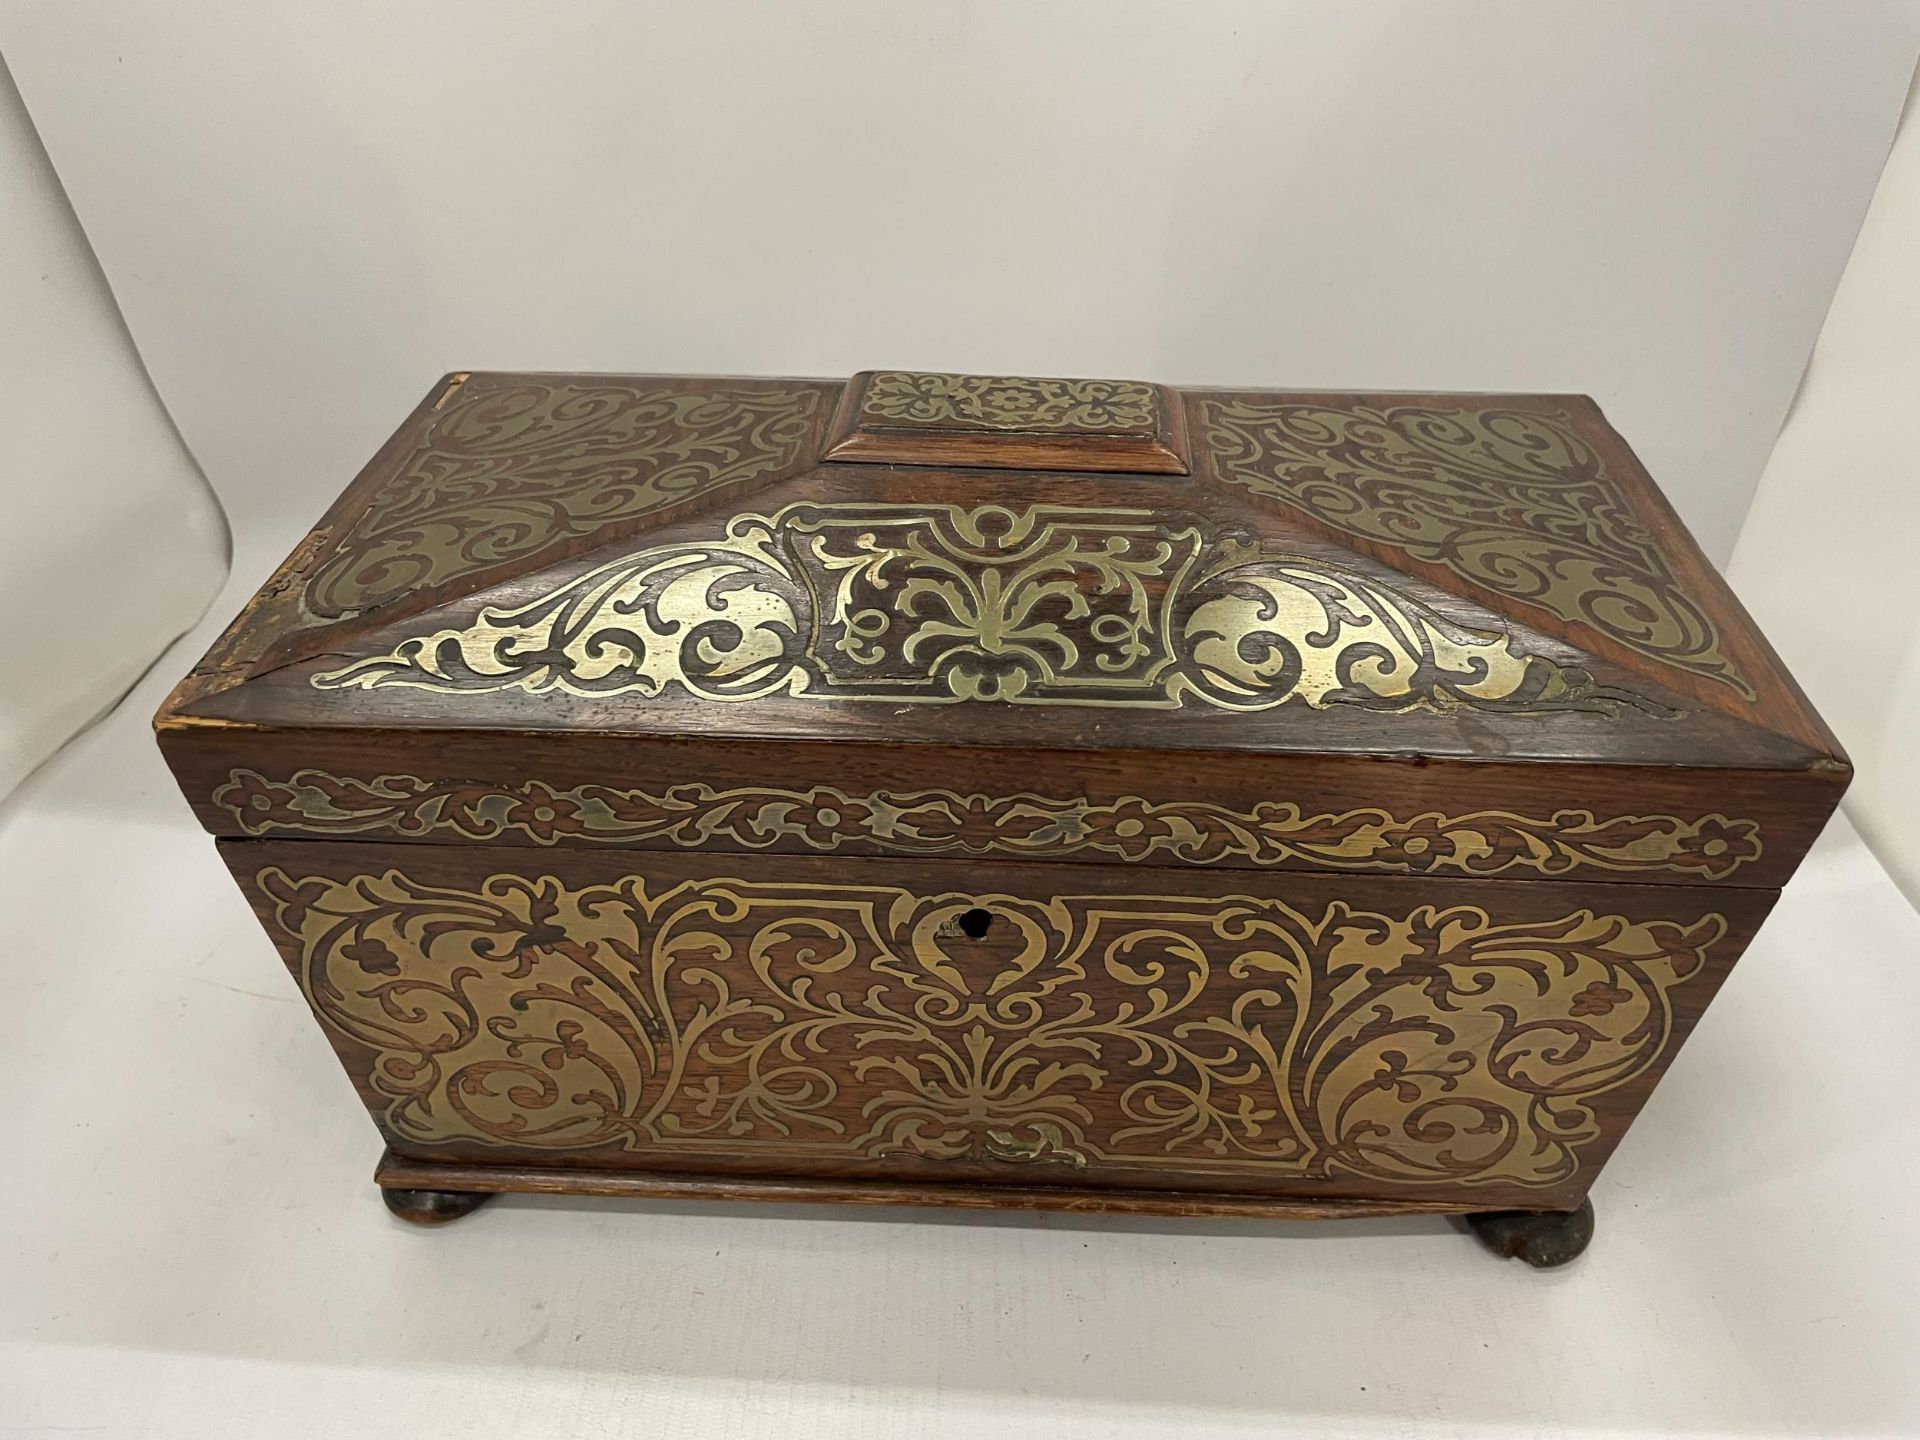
[{"x": 1073, "y": 587}]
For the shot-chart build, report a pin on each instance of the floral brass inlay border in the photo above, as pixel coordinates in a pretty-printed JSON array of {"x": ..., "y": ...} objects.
[
  {"x": 936, "y": 604},
  {"x": 913, "y": 399},
  {"x": 941, "y": 822},
  {"x": 503, "y": 472},
  {"x": 1508, "y": 499},
  {"x": 1228, "y": 1036}
]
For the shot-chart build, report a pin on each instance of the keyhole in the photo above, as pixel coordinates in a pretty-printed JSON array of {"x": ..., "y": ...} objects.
[{"x": 975, "y": 923}]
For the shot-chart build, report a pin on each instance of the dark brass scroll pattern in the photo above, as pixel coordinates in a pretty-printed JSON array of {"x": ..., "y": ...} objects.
[
  {"x": 926, "y": 400},
  {"x": 503, "y": 472},
  {"x": 1508, "y": 499}
]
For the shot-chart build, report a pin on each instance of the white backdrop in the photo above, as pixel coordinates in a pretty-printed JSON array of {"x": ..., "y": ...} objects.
[
  {"x": 1826, "y": 560},
  {"x": 308, "y": 211},
  {"x": 110, "y": 544}
]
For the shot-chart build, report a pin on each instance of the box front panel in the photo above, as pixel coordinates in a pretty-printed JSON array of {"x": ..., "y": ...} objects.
[{"x": 1454, "y": 1042}]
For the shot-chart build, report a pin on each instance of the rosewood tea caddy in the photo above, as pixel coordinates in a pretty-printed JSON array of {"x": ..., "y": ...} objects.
[{"x": 1002, "y": 792}]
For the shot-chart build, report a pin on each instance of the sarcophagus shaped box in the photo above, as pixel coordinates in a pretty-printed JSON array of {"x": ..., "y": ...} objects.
[{"x": 997, "y": 791}]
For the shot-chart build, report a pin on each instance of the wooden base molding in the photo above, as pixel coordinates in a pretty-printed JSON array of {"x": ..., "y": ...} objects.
[{"x": 396, "y": 1174}]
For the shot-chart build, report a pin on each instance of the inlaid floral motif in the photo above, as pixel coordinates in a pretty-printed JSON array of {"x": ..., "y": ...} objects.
[
  {"x": 899, "y": 399},
  {"x": 1227, "y": 1037},
  {"x": 939, "y": 604},
  {"x": 941, "y": 822}
]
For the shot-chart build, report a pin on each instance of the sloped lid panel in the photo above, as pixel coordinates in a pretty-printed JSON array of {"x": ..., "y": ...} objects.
[
  {"x": 839, "y": 608},
  {"x": 1530, "y": 503},
  {"x": 501, "y": 470}
]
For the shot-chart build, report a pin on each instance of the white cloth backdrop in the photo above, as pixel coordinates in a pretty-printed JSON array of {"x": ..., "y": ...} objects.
[
  {"x": 110, "y": 544},
  {"x": 308, "y": 211},
  {"x": 1829, "y": 560}
]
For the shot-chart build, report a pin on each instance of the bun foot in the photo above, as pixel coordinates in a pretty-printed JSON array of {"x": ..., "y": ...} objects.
[
  {"x": 433, "y": 1207},
  {"x": 1542, "y": 1238}
]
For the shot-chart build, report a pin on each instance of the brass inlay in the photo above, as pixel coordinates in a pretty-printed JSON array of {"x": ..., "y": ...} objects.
[
  {"x": 503, "y": 472},
  {"x": 921, "y": 400},
  {"x": 942, "y": 822},
  {"x": 454, "y": 382},
  {"x": 936, "y": 604},
  {"x": 1228, "y": 1036},
  {"x": 1510, "y": 500}
]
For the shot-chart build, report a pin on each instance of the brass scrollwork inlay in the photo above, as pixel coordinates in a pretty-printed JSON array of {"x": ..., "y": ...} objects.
[
  {"x": 942, "y": 822},
  {"x": 506, "y": 471},
  {"x": 1052, "y": 605},
  {"x": 1228, "y": 1037},
  {"x": 902, "y": 399},
  {"x": 1508, "y": 499}
]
